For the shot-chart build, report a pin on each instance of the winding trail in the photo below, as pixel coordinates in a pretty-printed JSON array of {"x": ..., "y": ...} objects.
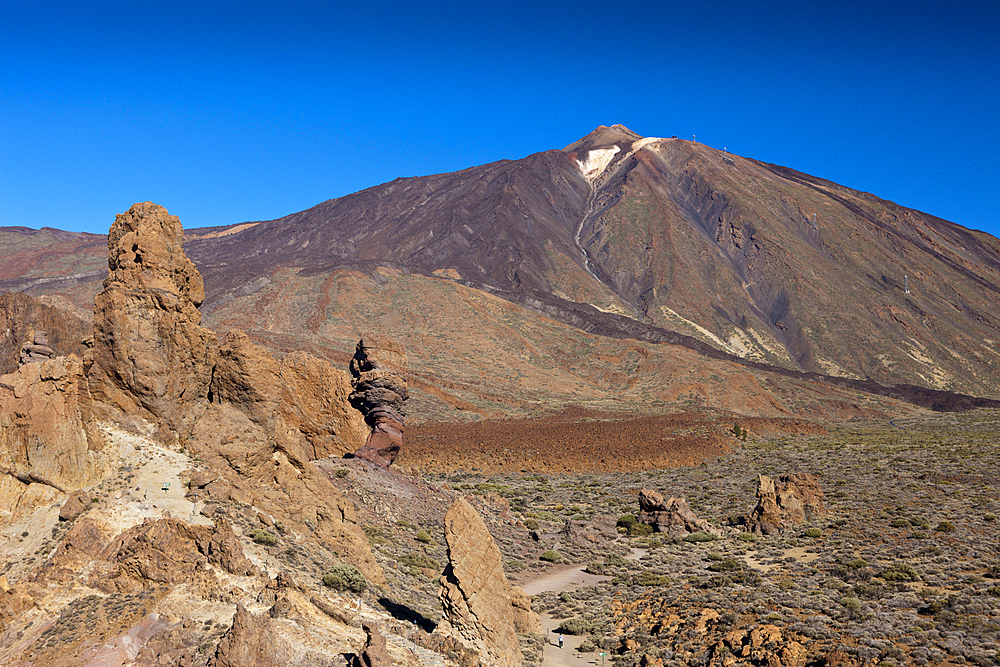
[{"x": 564, "y": 579}]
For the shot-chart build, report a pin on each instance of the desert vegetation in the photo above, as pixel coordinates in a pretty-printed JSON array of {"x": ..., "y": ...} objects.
[{"x": 903, "y": 569}]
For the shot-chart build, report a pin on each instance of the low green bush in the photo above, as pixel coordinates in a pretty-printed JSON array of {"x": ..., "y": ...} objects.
[
  {"x": 899, "y": 572},
  {"x": 531, "y": 524},
  {"x": 626, "y": 520},
  {"x": 575, "y": 626},
  {"x": 615, "y": 560},
  {"x": 552, "y": 556},
  {"x": 813, "y": 532},
  {"x": 419, "y": 560},
  {"x": 651, "y": 579},
  {"x": 639, "y": 530},
  {"x": 946, "y": 527},
  {"x": 701, "y": 536},
  {"x": 345, "y": 577},
  {"x": 263, "y": 537},
  {"x": 423, "y": 537},
  {"x": 725, "y": 565}
]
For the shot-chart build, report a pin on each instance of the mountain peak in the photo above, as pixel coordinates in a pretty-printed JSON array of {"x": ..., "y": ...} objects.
[{"x": 604, "y": 137}]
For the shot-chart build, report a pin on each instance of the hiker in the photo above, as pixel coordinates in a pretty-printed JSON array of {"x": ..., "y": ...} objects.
[{"x": 560, "y": 640}]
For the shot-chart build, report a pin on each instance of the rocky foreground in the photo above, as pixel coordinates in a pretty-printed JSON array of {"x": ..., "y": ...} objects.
[{"x": 146, "y": 487}]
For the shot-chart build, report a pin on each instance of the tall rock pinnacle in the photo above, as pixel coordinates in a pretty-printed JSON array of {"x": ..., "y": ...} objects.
[
  {"x": 378, "y": 376},
  {"x": 150, "y": 353}
]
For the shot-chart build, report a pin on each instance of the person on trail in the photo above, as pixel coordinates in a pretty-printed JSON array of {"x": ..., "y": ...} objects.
[{"x": 560, "y": 640}]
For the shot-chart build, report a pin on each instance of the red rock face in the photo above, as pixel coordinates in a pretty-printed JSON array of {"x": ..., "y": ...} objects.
[{"x": 378, "y": 372}]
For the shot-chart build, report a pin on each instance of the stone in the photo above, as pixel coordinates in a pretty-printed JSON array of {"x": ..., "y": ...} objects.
[
  {"x": 671, "y": 516},
  {"x": 785, "y": 502},
  {"x": 525, "y": 620},
  {"x": 75, "y": 505},
  {"x": 149, "y": 352},
  {"x": 474, "y": 590},
  {"x": 47, "y": 436},
  {"x": 374, "y": 653},
  {"x": 378, "y": 372},
  {"x": 598, "y": 530}
]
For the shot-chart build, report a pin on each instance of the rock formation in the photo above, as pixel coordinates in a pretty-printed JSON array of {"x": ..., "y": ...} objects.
[
  {"x": 300, "y": 397},
  {"x": 150, "y": 354},
  {"x": 28, "y": 326},
  {"x": 378, "y": 372},
  {"x": 474, "y": 590},
  {"x": 671, "y": 516},
  {"x": 374, "y": 653},
  {"x": 48, "y": 442},
  {"x": 785, "y": 502},
  {"x": 36, "y": 350}
]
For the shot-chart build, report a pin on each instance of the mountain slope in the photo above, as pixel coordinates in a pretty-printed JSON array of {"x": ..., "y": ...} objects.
[{"x": 662, "y": 240}]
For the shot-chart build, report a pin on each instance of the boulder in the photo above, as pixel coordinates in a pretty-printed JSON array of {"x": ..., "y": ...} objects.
[
  {"x": 671, "y": 516},
  {"x": 374, "y": 653},
  {"x": 378, "y": 372},
  {"x": 75, "y": 505},
  {"x": 475, "y": 592},
  {"x": 600, "y": 529},
  {"x": 47, "y": 437},
  {"x": 785, "y": 502},
  {"x": 149, "y": 353}
]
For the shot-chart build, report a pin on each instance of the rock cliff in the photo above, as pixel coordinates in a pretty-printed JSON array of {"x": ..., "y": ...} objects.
[
  {"x": 474, "y": 589},
  {"x": 49, "y": 444}
]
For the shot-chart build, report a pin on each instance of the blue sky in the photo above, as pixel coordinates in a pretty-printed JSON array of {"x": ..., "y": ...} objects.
[{"x": 228, "y": 112}]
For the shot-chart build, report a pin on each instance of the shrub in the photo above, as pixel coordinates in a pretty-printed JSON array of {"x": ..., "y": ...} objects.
[
  {"x": 639, "y": 530},
  {"x": 531, "y": 524},
  {"x": 263, "y": 537},
  {"x": 747, "y": 537},
  {"x": 595, "y": 567},
  {"x": 552, "y": 556},
  {"x": 899, "y": 572},
  {"x": 900, "y": 522},
  {"x": 994, "y": 591},
  {"x": 857, "y": 563},
  {"x": 989, "y": 516},
  {"x": 614, "y": 560},
  {"x": 419, "y": 560},
  {"x": 651, "y": 579},
  {"x": 587, "y": 646},
  {"x": 851, "y": 604},
  {"x": 345, "y": 577},
  {"x": 701, "y": 536},
  {"x": 946, "y": 527},
  {"x": 626, "y": 520},
  {"x": 813, "y": 532},
  {"x": 725, "y": 565},
  {"x": 422, "y": 536},
  {"x": 342, "y": 473},
  {"x": 575, "y": 626}
]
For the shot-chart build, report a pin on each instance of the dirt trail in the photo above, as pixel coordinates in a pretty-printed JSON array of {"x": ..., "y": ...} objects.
[{"x": 561, "y": 580}]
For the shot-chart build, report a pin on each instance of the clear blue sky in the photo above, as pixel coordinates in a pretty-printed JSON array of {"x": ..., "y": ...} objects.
[{"x": 226, "y": 112}]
